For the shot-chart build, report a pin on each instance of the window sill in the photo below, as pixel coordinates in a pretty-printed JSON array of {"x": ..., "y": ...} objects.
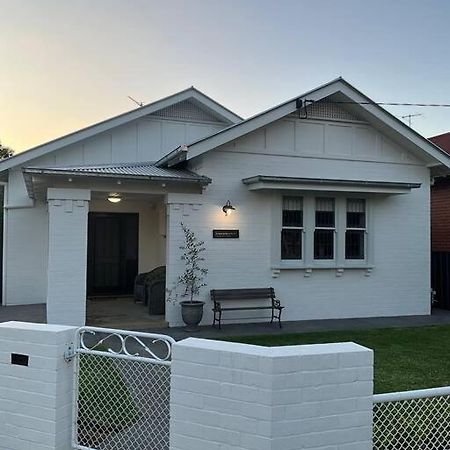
[{"x": 310, "y": 268}]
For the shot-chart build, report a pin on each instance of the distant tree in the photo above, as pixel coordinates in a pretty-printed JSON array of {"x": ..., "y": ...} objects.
[{"x": 5, "y": 152}]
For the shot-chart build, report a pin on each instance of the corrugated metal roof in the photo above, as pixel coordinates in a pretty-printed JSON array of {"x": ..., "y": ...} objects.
[{"x": 137, "y": 170}]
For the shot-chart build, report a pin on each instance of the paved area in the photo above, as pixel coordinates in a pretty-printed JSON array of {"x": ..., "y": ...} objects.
[
  {"x": 439, "y": 317},
  {"x": 121, "y": 312},
  {"x": 106, "y": 312},
  {"x": 137, "y": 320},
  {"x": 23, "y": 313}
]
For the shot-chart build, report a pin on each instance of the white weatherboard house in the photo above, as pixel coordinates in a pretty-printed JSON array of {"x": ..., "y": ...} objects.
[{"x": 331, "y": 196}]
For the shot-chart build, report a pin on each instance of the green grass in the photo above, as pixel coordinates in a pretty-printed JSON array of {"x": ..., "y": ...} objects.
[
  {"x": 405, "y": 358},
  {"x": 104, "y": 398}
]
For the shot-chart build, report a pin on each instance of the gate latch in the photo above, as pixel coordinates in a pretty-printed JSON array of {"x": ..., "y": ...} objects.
[{"x": 69, "y": 354}]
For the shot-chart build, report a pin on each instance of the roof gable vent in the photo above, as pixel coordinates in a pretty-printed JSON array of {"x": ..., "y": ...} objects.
[
  {"x": 187, "y": 110},
  {"x": 327, "y": 110}
]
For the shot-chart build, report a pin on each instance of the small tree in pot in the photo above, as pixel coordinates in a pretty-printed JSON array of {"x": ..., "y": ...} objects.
[{"x": 192, "y": 278}]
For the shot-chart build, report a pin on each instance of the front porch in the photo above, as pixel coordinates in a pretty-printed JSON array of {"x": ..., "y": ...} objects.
[{"x": 106, "y": 224}]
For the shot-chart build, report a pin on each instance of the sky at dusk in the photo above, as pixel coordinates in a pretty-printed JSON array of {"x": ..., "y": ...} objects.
[{"x": 68, "y": 64}]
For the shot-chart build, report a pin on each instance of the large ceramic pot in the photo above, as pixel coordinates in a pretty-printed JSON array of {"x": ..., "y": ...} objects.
[{"x": 192, "y": 313}]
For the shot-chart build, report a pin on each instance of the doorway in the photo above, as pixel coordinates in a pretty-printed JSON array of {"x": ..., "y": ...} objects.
[{"x": 113, "y": 247}]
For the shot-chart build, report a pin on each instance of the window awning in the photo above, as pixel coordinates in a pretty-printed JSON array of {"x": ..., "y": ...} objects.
[{"x": 265, "y": 182}]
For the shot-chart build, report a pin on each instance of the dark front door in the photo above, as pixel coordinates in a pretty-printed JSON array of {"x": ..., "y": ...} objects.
[{"x": 112, "y": 253}]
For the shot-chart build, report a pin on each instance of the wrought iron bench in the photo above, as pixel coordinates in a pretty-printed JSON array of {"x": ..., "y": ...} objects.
[{"x": 223, "y": 295}]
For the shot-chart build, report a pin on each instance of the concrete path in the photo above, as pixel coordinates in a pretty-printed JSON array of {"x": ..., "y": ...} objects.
[
  {"x": 36, "y": 313},
  {"x": 439, "y": 317},
  {"x": 23, "y": 313}
]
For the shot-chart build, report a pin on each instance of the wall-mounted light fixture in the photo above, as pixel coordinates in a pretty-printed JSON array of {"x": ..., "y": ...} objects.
[
  {"x": 228, "y": 208},
  {"x": 114, "y": 197}
]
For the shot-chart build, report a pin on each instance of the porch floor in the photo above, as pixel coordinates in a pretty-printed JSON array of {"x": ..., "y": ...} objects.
[{"x": 122, "y": 313}]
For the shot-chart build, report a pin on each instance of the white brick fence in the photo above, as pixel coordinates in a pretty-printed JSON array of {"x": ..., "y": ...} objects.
[
  {"x": 224, "y": 395},
  {"x": 237, "y": 396}
]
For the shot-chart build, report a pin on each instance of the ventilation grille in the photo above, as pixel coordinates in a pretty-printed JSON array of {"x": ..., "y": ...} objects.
[
  {"x": 186, "y": 110},
  {"x": 327, "y": 110}
]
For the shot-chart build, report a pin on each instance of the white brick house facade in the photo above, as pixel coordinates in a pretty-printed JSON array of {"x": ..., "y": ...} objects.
[{"x": 328, "y": 153}]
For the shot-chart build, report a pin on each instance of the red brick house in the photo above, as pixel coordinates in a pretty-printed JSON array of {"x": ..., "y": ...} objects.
[
  {"x": 440, "y": 204},
  {"x": 440, "y": 230}
]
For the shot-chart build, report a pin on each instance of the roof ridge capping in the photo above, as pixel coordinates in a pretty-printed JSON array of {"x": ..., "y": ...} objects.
[{"x": 337, "y": 85}]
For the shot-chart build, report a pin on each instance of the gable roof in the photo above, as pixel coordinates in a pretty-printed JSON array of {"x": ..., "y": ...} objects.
[
  {"x": 341, "y": 92},
  {"x": 190, "y": 95},
  {"x": 442, "y": 141}
]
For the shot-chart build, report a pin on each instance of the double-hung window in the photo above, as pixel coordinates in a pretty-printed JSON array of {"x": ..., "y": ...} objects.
[
  {"x": 292, "y": 229},
  {"x": 325, "y": 227},
  {"x": 323, "y": 231},
  {"x": 355, "y": 233}
]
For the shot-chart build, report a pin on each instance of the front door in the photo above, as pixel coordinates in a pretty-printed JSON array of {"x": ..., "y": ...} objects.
[{"x": 112, "y": 253}]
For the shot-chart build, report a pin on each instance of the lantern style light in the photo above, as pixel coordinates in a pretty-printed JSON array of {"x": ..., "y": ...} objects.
[
  {"x": 228, "y": 208},
  {"x": 114, "y": 197}
]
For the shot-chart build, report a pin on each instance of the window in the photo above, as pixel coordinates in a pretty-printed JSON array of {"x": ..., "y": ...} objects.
[
  {"x": 324, "y": 229},
  {"x": 320, "y": 231},
  {"x": 292, "y": 228},
  {"x": 355, "y": 229}
]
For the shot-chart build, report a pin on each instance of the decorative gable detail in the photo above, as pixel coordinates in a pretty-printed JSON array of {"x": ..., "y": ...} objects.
[
  {"x": 187, "y": 110},
  {"x": 326, "y": 110}
]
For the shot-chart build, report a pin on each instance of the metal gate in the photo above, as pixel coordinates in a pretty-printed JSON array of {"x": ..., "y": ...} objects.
[{"x": 122, "y": 387}]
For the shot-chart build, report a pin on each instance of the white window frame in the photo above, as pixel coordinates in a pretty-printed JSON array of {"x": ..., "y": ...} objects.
[
  {"x": 302, "y": 229},
  {"x": 334, "y": 229},
  {"x": 364, "y": 229},
  {"x": 340, "y": 228}
]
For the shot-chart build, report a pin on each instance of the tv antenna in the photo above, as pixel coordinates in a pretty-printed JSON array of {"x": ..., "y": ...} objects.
[
  {"x": 409, "y": 117},
  {"x": 140, "y": 104}
]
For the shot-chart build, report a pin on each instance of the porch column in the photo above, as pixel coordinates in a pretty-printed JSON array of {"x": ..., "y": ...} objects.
[
  {"x": 184, "y": 208},
  {"x": 67, "y": 255}
]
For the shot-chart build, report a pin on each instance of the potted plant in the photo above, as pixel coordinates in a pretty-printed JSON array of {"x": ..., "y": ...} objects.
[{"x": 192, "y": 279}]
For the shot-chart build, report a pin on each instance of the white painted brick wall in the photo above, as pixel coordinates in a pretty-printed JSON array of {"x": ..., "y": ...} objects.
[
  {"x": 67, "y": 256},
  {"x": 244, "y": 397},
  {"x": 36, "y": 401},
  {"x": 399, "y": 283}
]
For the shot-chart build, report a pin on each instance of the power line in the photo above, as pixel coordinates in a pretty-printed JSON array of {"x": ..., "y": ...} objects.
[{"x": 345, "y": 102}]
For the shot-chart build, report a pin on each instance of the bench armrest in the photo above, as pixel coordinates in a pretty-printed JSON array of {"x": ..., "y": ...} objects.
[{"x": 276, "y": 303}]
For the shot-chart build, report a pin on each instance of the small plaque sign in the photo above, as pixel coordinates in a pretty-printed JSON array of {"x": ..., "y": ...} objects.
[{"x": 225, "y": 234}]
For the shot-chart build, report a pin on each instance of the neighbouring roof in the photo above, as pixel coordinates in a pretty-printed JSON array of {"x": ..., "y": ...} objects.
[
  {"x": 189, "y": 98},
  {"x": 442, "y": 141},
  {"x": 337, "y": 90}
]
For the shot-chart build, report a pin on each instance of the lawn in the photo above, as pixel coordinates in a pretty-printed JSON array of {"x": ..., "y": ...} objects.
[{"x": 405, "y": 358}]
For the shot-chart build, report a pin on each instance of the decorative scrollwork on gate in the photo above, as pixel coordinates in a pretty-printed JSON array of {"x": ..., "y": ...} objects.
[{"x": 125, "y": 343}]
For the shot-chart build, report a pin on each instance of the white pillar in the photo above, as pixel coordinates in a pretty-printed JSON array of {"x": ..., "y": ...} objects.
[
  {"x": 67, "y": 255},
  {"x": 246, "y": 397},
  {"x": 184, "y": 208},
  {"x": 36, "y": 386}
]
